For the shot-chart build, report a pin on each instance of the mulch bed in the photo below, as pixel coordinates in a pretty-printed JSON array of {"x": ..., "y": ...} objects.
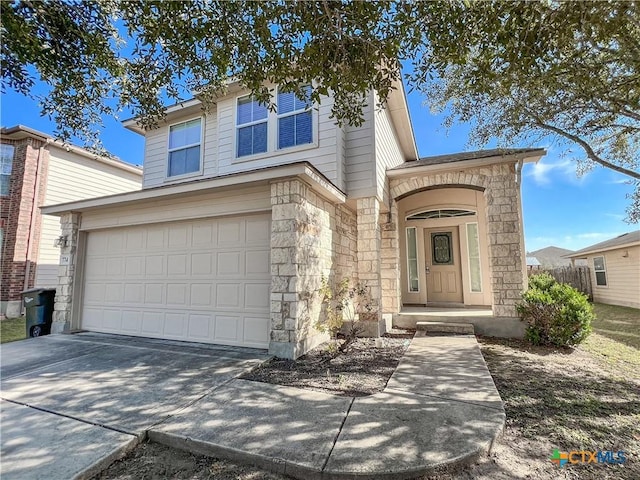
[{"x": 363, "y": 369}]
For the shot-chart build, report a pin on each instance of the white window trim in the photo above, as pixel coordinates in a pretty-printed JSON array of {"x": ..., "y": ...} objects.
[
  {"x": 170, "y": 178},
  {"x": 248, "y": 124},
  {"x": 408, "y": 260},
  {"x": 466, "y": 233},
  {"x": 290, "y": 114},
  {"x": 272, "y": 140},
  {"x": 606, "y": 279}
]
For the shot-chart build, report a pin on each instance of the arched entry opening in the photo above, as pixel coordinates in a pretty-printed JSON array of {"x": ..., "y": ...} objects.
[{"x": 443, "y": 248}]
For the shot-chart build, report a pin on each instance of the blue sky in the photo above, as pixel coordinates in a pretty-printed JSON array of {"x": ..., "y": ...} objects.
[{"x": 559, "y": 207}]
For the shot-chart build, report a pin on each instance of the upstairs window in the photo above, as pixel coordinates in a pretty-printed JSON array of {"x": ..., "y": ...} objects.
[
  {"x": 6, "y": 165},
  {"x": 294, "y": 119},
  {"x": 185, "y": 147},
  {"x": 251, "y": 123}
]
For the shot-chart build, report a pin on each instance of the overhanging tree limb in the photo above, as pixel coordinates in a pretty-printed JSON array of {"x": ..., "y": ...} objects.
[{"x": 587, "y": 148}]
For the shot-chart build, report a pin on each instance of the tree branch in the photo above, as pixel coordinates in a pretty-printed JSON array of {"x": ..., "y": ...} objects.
[{"x": 587, "y": 148}]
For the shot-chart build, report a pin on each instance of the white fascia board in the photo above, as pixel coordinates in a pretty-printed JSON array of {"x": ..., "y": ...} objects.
[{"x": 464, "y": 164}]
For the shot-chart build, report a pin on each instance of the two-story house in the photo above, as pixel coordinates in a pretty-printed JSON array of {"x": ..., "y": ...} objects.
[
  {"x": 38, "y": 170},
  {"x": 244, "y": 210}
]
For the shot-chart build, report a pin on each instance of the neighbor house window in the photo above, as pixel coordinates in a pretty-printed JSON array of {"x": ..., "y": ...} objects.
[
  {"x": 6, "y": 165},
  {"x": 600, "y": 270},
  {"x": 251, "y": 122},
  {"x": 185, "y": 147},
  {"x": 294, "y": 119},
  {"x": 473, "y": 245},
  {"x": 412, "y": 259}
]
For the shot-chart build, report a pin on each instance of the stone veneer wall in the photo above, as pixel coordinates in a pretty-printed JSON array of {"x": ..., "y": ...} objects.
[
  {"x": 504, "y": 224},
  {"x": 302, "y": 252},
  {"x": 368, "y": 246},
  {"x": 390, "y": 261},
  {"x": 70, "y": 224}
]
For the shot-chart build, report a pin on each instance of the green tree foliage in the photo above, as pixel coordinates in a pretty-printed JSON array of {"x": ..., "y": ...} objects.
[
  {"x": 519, "y": 71},
  {"x": 556, "y": 313}
]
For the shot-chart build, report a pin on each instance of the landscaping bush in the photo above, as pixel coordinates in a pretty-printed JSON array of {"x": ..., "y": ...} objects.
[{"x": 556, "y": 313}]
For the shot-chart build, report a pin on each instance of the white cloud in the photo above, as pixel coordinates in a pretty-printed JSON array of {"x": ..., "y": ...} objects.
[
  {"x": 571, "y": 242},
  {"x": 542, "y": 171}
]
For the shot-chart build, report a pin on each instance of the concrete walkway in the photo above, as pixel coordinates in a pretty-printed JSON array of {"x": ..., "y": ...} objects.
[{"x": 440, "y": 410}]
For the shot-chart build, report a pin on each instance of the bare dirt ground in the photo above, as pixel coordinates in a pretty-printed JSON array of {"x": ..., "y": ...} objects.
[
  {"x": 569, "y": 399},
  {"x": 363, "y": 370}
]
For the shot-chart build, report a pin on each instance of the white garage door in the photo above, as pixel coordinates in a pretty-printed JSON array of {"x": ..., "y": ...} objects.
[{"x": 200, "y": 281}]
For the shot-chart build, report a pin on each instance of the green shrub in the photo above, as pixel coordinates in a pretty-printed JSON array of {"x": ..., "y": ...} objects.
[{"x": 556, "y": 313}]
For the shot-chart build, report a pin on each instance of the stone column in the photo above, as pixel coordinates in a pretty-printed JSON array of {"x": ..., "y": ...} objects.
[
  {"x": 301, "y": 251},
  {"x": 70, "y": 225},
  {"x": 504, "y": 226},
  {"x": 368, "y": 244},
  {"x": 390, "y": 261}
]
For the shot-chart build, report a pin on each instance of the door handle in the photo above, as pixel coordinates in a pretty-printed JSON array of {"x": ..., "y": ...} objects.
[{"x": 427, "y": 269}]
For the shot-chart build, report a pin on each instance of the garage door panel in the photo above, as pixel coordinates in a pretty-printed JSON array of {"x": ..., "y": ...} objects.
[
  {"x": 255, "y": 330},
  {"x": 177, "y": 264},
  {"x": 228, "y": 329},
  {"x": 115, "y": 242},
  {"x": 203, "y": 234},
  {"x": 131, "y": 322},
  {"x": 95, "y": 267},
  {"x": 134, "y": 266},
  {"x": 201, "y": 264},
  {"x": 154, "y": 265},
  {"x": 201, "y": 294},
  {"x": 205, "y": 281},
  {"x": 152, "y": 323},
  {"x": 229, "y": 233},
  {"x": 257, "y": 263},
  {"x": 258, "y": 231},
  {"x": 177, "y": 294},
  {"x": 228, "y": 295},
  {"x": 257, "y": 295},
  {"x": 179, "y": 235},
  {"x": 200, "y": 327},
  {"x": 113, "y": 293},
  {"x": 154, "y": 294},
  {"x": 155, "y": 238}
]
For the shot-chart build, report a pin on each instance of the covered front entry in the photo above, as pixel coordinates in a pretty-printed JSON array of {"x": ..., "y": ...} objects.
[
  {"x": 444, "y": 253},
  {"x": 205, "y": 280}
]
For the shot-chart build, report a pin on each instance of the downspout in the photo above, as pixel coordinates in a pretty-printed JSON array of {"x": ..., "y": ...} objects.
[
  {"x": 34, "y": 218},
  {"x": 519, "y": 171}
]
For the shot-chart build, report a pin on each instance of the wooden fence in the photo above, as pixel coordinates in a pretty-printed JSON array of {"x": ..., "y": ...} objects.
[{"x": 578, "y": 277}]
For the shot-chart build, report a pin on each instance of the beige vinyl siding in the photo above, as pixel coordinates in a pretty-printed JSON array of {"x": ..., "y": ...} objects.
[
  {"x": 623, "y": 277},
  {"x": 387, "y": 148},
  {"x": 324, "y": 156},
  {"x": 73, "y": 177},
  {"x": 219, "y": 146},
  {"x": 185, "y": 207},
  {"x": 359, "y": 156}
]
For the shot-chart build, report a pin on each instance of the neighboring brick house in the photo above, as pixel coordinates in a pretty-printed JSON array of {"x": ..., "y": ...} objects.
[
  {"x": 38, "y": 170},
  {"x": 243, "y": 210}
]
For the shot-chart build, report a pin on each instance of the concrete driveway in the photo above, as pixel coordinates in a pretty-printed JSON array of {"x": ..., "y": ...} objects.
[{"x": 70, "y": 402}]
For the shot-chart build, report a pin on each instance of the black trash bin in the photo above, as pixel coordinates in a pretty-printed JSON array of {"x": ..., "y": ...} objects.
[{"x": 39, "y": 305}]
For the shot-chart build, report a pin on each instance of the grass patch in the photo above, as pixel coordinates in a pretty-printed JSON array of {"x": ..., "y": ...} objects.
[
  {"x": 621, "y": 324},
  {"x": 561, "y": 398},
  {"x": 616, "y": 338},
  {"x": 12, "y": 330}
]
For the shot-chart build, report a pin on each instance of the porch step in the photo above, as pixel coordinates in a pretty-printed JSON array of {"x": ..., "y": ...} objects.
[{"x": 445, "y": 327}]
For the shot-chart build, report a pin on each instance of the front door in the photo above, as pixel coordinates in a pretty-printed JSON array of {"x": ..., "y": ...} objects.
[{"x": 442, "y": 256}]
